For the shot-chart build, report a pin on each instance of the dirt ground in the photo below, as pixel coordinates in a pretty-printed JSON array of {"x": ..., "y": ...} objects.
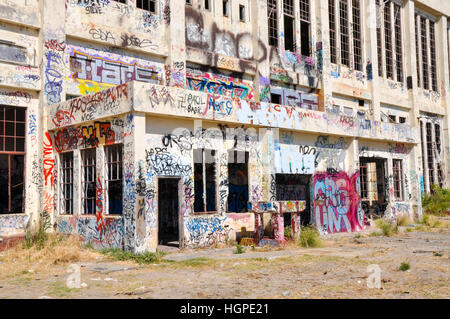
[{"x": 337, "y": 270}]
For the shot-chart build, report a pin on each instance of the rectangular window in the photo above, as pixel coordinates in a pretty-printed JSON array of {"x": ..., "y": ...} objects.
[
  {"x": 437, "y": 134},
  {"x": 237, "y": 181},
  {"x": 332, "y": 23},
  {"x": 357, "y": 48},
  {"x": 398, "y": 42},
  {"x": 88, "y": 180},
  {"x": 344, "y": 32},
  {"x": 289, "y": 25},
  {"x": 416, "y": 20},
  {"x": 364, "y": 181},
  {"x": 305, "y": 28},
  {"x": 241, "y": 13},
  {"x": 225, "y": 8},
  {"x": 12, "y": 153},
  {"x": 273, "y": 22},
  {"x": 67, "y": 183},
  {"x": 207, "y": 5},
  {"x": 402, "y": 119},
  {"x": 204, "y": 180},
  {"x": 388, "y": 41},
  {"x": 149, "y": 5},
  {"x": 423, "y": 37},
  {"x": 398, "y": 179},
  {"x": 379, "y": 40},
  {"x": 114, "y": 155},
  {"x": 430, "y": 155},
  {"x": 433, "y": 57}
]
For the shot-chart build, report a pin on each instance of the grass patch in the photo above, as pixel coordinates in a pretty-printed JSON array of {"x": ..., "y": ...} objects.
[
  {"x": 60, "y": 289},
  {"x": 141, "y": 258},
  {"x": 404, "y": 220},
  {"x": 387, "y": 229},
  {"x": 375, "y": 234},
  {"x": 357, "y": 236},
  {"x": 195, "y": 262},
  {"x": 309, "y": 237},
  {"x": 430, "y": 221},
  {"x": 404, "y": 266}
]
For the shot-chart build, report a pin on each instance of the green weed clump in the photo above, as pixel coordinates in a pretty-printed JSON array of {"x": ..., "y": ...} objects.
[
  {"x": 309, "y": 237},
  {"x": 239, "y": 249},
  {"x": 387, "y": 228},
  {"x": 404, "y": 266},
  {"x": 141, "y": 258},
  {"x": 438, "y": 202},
  {"x": 40, "y": 237}
]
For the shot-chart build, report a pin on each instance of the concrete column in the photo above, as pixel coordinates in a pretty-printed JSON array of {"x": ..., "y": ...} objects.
[
  {"x": 326, "y": 93},
  {"x": 175, "y": 66},
  {"x": 370, "y": 31},
  {"x": 259, "y": 19}
]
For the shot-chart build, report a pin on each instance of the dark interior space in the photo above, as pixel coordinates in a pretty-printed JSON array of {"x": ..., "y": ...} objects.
[
  {"x": 304, "y": 29},
  {"x": 289, "y": 33},
  {"x": 168, "y": 230}
]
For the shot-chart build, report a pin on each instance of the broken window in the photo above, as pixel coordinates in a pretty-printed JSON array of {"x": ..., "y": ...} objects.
[
  {"x": 357, "y": 46},
  {"x": 241, "y": 13},
  {"x": 424, "y": 41},
  {"x": 275, "y": 98},
  {"x": 114, "y": 155},
  {"x": 67, "y": 183},
  {"x": 273, "y": 22},
  {"x": 401, "y": 119},
  {"x": 437, "y": 134},
  {"x": 344, "y": 32},
  {"x": 88, "y": 180},
  {"x": 289, "y": 25},
  {"x": 225, "y": 8},
  {"x": 149, "y": 5},
  {"x": 204, "y": 180},
  {"x": 12, "y": 152},
  {"x": 392, "y": 118},
  {"x": 397, "y": 166},
  {"x": 237, "y": 181},
  {"x": 332, "y": 26},
  {"x": 398, "y": 42}
]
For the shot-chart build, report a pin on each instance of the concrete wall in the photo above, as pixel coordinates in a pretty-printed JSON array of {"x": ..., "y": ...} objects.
[{"x": 188, "y": 64}]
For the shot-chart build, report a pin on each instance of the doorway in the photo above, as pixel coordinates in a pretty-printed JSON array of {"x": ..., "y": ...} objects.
[
  {"x": 168, "y": 212},
  {"x": 374, "y": 185}
]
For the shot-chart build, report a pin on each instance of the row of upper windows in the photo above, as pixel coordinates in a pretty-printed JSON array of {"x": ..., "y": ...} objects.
[{"x": 226, "y": 11}]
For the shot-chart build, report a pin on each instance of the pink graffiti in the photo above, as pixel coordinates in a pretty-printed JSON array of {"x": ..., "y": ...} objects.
[
  {"x": 337, "y": 202},
  {"x": 49, "y": 162}
]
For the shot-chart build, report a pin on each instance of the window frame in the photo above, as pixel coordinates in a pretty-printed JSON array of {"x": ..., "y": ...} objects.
[
  {"x": 205, "y": 180},
  {"x": 87, "y": 163},
  {"x": 398, "y": 179},
  {"x": 64, "y": 183},
  {"x": 119, "y": 174}
]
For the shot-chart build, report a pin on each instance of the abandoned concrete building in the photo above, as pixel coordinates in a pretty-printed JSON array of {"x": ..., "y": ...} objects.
[{"x": 136, "y": 123}]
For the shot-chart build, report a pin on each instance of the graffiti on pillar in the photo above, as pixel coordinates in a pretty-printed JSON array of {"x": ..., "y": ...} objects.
[{"x": 337, "y": 203}]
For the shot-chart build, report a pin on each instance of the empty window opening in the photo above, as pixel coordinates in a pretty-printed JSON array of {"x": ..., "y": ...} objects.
[
  {"x": 237, "y": 181},
  {"x": 433, "y": 57},
  {"x": 423, "y": 37},
  {"x": 401, "y": 119},
  {"x": 204, "y": 180},
  {"x": 67, "y": 183},
  {"x": 430, "y": 155},
  {"x": 273, "y": 22},
  {"x": 416, "y": 21},
  {"x": 289, "y": 41},
  {"x": 12, "y": 153},
  {"x": 207, "y": 5},
  {"x": 357, "y": 46},
  {"x": 114, "y": 155},
  {"x": 344, "y": 32},
  {"x": 168, "y": 211},
  {"x": 392, "y": 118},
  {"x": 397, "y": 166},
  {"x": 149, "y": 5},
  {"x": 241, "y": 13},
  {"x": 225, "y": 8},
  {"x": 305, "y": 47},
  {"x": 275, "y": 98},
  {"x": 332, "y": 25},
  {"x": 437, "y": 134},
  {"x": 88, "y": 180},
  {"x": 379, "y": 42},
  {"x": 361, "y": 103}
]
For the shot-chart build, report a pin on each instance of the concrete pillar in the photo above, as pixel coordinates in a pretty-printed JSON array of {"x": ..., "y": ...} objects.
[{"x": 175, "y": 66}]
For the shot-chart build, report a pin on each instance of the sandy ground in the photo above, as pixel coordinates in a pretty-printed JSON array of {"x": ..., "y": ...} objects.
[{"x": 338, "y": 270}]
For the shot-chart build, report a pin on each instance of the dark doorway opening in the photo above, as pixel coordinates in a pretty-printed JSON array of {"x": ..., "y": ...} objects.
[
  {"x": 168, "y": 212},
  {"x": 374, "y": 185},
  {"x": 294, "y": 187}
]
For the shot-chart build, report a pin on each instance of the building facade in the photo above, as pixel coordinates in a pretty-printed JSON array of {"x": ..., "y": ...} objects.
[{"x": 137, "y": 122}]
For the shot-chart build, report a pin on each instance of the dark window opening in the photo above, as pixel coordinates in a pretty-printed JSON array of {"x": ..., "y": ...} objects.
[
  {"x": 241, "y": 13},
  {"x": 332, "y": 23},
  {"x": 397, "y": 167},
  {"x": 275, "y": 98},
  {"x": 388, "y": 41},
  {"x": 437, "y": 134},
  {"x": 67, "y": 182},
  {"x": 289, "y": 41},
  {"x": 398, "y": 42},
  {"x": 433, "y": 72},
  {"x": 361, "y": 103},
  {"x": 89, "y": 174},
  {"x": 374, "y": 185},
  {"x": 148, "y": 5},
  {"x": 401, "y": 119},
  {"x": 423, "y": 37},
  {"x": 305, "y": 47},
  {"x": 225, "y": 8},
  {"x": 379, "y": 45},
  {"x": 357, "y": 45},
  {"x": 238, "y": 181},
  {"x": 392, "y": 118},
  {"x": 294, "y": 187},
  {"x": 207, "y": 5},
  {"x": 204, "y": 180},
  {"x": 114, "y": 157},
  {"x": 344, "y": 32},
  {"x": 430, "y": 155}
]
